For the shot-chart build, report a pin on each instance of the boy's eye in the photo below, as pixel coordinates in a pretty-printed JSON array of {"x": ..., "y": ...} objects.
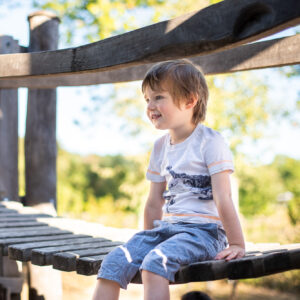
[{"x": 158, "y": 97}]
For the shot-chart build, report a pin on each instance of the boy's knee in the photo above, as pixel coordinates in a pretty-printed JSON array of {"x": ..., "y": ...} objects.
[{"x": 158, "y": 263}]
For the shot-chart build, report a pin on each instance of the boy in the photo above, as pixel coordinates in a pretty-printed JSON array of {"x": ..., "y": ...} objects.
[{"x": 193, "y": 162}]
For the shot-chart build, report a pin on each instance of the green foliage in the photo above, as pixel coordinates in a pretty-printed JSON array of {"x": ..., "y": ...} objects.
[
  {"x": 258, "y": 188},
  {"x": 100, "y": 185},
  {"x": 96, "y": 19},
  {"x": 289, "y": 170}
]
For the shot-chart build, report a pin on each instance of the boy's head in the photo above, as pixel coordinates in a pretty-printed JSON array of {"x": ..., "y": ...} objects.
[{"x": 182, "y": 79}]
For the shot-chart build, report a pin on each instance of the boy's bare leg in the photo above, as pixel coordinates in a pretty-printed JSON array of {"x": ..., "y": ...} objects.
[
  {"x": 155, "y": 287},
  {"x": 106, "y": 290}
]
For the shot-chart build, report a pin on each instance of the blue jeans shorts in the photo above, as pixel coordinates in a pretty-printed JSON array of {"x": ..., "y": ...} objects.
[{"x": 162, "y": 250}]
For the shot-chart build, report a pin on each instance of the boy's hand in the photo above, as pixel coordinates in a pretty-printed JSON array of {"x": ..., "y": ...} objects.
[{"x": 231, "y": 252}]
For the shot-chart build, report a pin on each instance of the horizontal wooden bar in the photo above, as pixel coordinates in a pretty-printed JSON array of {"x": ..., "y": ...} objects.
[
  {"x": 43, "y": 256},
  {"x": 22, "y": 252},
  {"x": 219, "y": 27},
  {"x": 19, "y": 225},
  {"x": 4, "y": 243},
  {"x": 67, "y": 261},
  {"x": 267, "y": 54},
  {"x": 33, "y": 232}
]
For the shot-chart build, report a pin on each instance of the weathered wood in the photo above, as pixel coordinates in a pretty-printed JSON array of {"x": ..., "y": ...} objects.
[
  {"x": 40, "y": 136},
  {"x": 9, "y": 185},
  {"x": 89, "y": 265},
  {"x": 4, "y": 243},
  {"x": 273, "y": 53},
  {"x": 34, "y": 232},
  {"x": 22, "y": 252},
  {"x": 67, "y": 261},
  {"x": 36, "y": 228},
  {"x": 44, "y": 256},
  {"x": 19, "y": 225},
  {"x": 218, "y": 27}
]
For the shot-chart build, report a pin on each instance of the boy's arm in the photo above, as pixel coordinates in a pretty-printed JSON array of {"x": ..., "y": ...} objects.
[
  {"x": 154, "y": 204},
  {"x": 222, "y": 196}
]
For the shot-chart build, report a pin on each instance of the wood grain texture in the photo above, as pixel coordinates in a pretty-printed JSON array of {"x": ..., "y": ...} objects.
[
  {"x": 4, "y": 243},
  {"x": 43, "y": 256},
  {"x": 273, "y": 53},
  {"x": 22, "y": 252},
  {"x": 9, "y": 183},
  {"x": 218, "y": 27},
  {"x": 40, "y": 135},
  {"x": 67, "y": 261},
  {"x": 33, "y": 232}
]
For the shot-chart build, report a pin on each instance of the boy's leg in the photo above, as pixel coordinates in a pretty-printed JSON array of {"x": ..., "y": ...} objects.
[
  {"x": 106, "y": 290},
  {"x": 156, "y": 287},
  {"x": 124, "y": 261},
  {"x": 190, "y": 243}
]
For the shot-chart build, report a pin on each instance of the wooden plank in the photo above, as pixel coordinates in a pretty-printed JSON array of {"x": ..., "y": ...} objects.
[
  {"x": 25, "y": 229},
  {"x": 22, "y": 252},
  {"x": 33, "y": 232},
  {"x": 43, "y": 256},
  {"x": 18, "y": 220},
  {"x": 18, "y": 217},
  {"x": 67, "y": 261},
  {"x": 273, "y": 53},
  {"x": 218, "y": 27},
  {"x": 4, "y": 243},
  {"x": 89, "y": 265},
  {"x": 25, "y": 224}
]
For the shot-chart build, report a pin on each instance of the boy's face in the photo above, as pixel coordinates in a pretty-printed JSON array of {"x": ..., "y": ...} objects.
[{"x": 163, "y": 112}]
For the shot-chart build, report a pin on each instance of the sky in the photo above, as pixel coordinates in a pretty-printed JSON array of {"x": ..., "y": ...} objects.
[{"x": 104, "y": 137}]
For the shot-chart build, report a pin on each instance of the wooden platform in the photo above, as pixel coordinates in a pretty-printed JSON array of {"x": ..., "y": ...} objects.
[{"x": 74, "y": 245}]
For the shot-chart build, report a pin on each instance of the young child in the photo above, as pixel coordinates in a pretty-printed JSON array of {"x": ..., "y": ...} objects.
[{"x": 189, "y": 207}]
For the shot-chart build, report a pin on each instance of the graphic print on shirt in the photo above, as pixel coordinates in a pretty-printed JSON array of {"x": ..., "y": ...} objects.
[{"x": 199, "y": 185}]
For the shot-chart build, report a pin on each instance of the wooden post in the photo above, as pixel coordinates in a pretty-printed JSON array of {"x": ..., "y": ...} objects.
[
  {"x": 40, "y": 151},
  {"x": 40, "y": 137},
  {"x": 9, "y": 186}
]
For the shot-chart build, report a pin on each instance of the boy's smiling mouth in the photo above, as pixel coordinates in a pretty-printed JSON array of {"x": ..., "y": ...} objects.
[{"x": 155, "y": 116}]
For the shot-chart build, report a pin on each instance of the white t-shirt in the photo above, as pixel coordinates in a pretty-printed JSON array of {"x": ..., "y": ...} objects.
[{"x": 187, "y": 168}]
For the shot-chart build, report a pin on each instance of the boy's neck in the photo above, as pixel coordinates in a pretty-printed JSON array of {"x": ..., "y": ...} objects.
[{"x": 180, "y": 134}]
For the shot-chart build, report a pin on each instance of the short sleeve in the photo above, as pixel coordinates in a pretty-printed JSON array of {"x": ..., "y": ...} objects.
[
  {"x": 218, "y": 156},
  {"x": 154, "y": 169}
]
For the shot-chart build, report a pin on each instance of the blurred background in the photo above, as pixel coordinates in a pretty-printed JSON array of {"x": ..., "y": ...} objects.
[{"x": 104, "y": 139}]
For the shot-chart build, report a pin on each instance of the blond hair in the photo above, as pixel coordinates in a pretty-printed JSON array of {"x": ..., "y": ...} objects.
[{"x": 182, "y": 79}]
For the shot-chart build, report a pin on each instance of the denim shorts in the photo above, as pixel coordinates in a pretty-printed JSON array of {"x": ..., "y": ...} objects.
[{"x": 162, "y": 250}]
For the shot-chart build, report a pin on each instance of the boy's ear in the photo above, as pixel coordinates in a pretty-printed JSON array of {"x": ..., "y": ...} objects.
[{"x": 191, "y": 101}]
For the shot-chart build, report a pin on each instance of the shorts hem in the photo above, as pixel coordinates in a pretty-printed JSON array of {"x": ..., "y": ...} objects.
[
  {"x": 111, "y": 278},
  {"x": 170, "y": 278}
]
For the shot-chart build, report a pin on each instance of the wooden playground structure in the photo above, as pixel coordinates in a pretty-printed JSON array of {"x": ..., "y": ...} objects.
[{"x": 220, "y": 38}]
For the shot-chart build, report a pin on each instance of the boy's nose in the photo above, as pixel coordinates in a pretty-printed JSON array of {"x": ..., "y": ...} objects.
[{"x": 150, "y": 105}]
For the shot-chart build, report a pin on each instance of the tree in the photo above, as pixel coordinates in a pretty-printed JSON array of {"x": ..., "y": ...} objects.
[{"x": 289, "y": 170}]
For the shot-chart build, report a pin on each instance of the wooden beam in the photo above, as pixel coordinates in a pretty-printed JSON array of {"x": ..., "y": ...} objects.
[
  {"x": 272, "y": 53},
  {"x": 218, "y": 27}
]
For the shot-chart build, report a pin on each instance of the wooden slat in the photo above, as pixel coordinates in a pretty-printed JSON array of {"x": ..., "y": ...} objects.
[
  {"x": 273, "y": 53},
  {"x": 4, "y": 243},
  {"x": 22, "y": 252},
  {"x": 218, "y": 27},
  {"x": 43, "y": 256},
  {"x": 67, "y": 261},
  {"x": 25, "y": 229},
  {"x": 89, "y": 265},
  {"x": 42, "y": 232},
  {"x": 28, "y": 224},
  {"x": 20, "y": 217}
]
